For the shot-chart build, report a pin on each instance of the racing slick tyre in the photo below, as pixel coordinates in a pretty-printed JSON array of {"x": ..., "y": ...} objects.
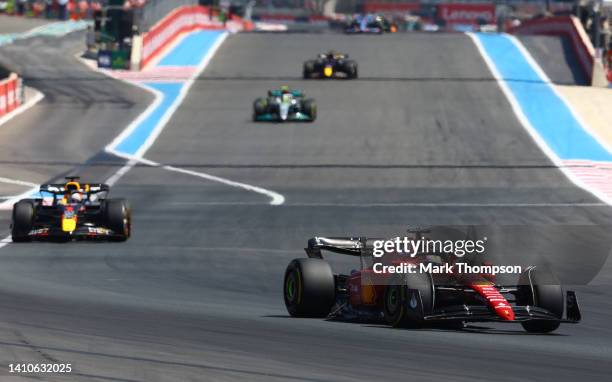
[
  {"x": 118, "y": 218},
  {"x": 351, "y": 69},
  {"x": 401, "y": 307},
  {"x": 23, "y": 220},
  {"x": 259, "y": 108},
  {"x": 308, "y": 69},
  {"x": 309, "y": 288},
  {"x": 310, "y": 108},
  {"x": 539, "y": 287}
]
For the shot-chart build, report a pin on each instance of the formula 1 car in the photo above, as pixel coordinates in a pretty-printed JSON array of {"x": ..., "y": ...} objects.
[
  {"x": 330, "y": 65},
  {"x": 71, "y": 211},
  {"x": 420, "y": 298},
  {"x": 284, "y": 105},
  {"x": 371, "y": 24}
]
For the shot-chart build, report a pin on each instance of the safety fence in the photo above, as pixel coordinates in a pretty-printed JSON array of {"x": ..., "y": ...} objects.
[
  {"x": 182, "y": 20},
  {"x": 11, "y": 94}
]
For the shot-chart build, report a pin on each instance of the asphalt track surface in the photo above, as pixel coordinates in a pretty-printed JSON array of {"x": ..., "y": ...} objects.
[
  {"x": 555, "y": 56},
  {"x": 16, "y": 24},
  {"x": 425, "y": 136}
]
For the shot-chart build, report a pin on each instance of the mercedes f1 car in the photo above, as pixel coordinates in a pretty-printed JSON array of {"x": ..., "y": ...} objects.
[
  {"x": 284, "y": 105},
  {"x": 536, "y": 301},
  {"x": 71, "y": 211},
  {"x": 370, "y": 24},
  {"x": 330, "y": 65}
]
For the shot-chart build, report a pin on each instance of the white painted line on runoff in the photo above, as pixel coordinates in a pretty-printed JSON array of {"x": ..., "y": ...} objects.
[
  {"x": 518, "y": 111},
  {"x": 6, "y": 241},
  {"x": 17, "y": 182},
  {"x": 538, "y": 69},
  {"x": 7, "y": 197},
  {"x": 402, "y": 204},
  {"x": 36, "y": 98},
  {"x": 7, "y": 205},
  {"x": 122, "y": 171},
  {"x": 275, "y": 197}
]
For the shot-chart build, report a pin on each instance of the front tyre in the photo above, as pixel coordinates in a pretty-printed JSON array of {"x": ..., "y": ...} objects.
[
  {"x": 401, "y": 307},
  {"x": 22, "y": 221},
  {"x": 310, "y": 109},
  {"x": 539, "y": 287},
  {"x": 259, "y": 108},
  {"x": 351, "y": 69},
  {"x": 309, "y": 68},
  {"x": 309, "y": 289},
  {"x": 119, "y": 218}
]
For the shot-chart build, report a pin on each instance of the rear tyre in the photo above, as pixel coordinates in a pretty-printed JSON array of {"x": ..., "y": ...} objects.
[
  {"x": 309, "y": 288},
  {"x": 401, "y": 308},
  {"x": 22, "y": 221},
  {"x": 308, "y": 69},
  {"x": 259, "y": 108},
  {"x": 540, "y": 287},
  {"x": 118, "y": 218},
  {"x": 310, "y": 108}
]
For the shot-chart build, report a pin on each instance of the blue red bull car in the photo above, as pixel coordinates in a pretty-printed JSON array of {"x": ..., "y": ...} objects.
[
  {"x": 71, "y": 211},
  {"x": 330, "y": 65}
]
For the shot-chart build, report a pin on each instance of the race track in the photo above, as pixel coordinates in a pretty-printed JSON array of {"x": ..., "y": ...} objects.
[
  {"x": 425, "y": 136},
  {"x": 555, "y": 55}
]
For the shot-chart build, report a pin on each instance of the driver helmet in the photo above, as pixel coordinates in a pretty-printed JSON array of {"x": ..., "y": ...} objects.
[
  {"x": 76, "y": 197},
  {"x": 285, "y": 89}
]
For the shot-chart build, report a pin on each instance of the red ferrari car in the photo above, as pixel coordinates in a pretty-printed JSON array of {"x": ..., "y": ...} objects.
[{"x": 311, "y": 289}]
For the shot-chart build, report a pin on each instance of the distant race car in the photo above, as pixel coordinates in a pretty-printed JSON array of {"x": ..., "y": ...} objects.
[
  {"x": 311, "y": 289},
  {"x": 369, "y": 23},
  {"x": 284, "y": 105},
  {"x": 71, "y": 211},
  {"x": 330, "y": 65}
]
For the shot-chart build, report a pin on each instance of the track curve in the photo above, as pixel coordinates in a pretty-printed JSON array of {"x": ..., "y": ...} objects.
[{"x": 425, "y": 136}]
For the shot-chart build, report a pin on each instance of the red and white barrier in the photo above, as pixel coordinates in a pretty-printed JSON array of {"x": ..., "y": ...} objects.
[
  {"x": 181, "y": 20},
  {"x": 390, "y": 7},
  {"x": 569, "y": 27},
  {"x": 11, "y": 94},
  {"x": 466, "y": 14}
]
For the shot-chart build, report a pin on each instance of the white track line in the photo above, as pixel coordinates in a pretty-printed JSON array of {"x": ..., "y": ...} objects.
[
  {"x": 6, "y": 241},
  {"x": 10, "y": 200},
  {"x": 406, "y": 204},
  {"x": 538, "y": 69},
  {"x": 17, "y": 182},
  {"x": 518, "y": 111},
  {"x": 36, "y": 98},
  {"x": 8, "y": 204},
  {"x": 275, "y": 197}
]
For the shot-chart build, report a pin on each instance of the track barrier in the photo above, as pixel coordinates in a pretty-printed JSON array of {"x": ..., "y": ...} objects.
[
  {"x": 11, "y": 94},
  {"x": 182, "y": 20}
]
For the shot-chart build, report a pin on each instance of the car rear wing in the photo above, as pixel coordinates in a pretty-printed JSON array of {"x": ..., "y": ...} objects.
[
  {"x": 278, "y": 93},
  {"x": 88, "y": 188},
  {"x": 352, "y": 246}
]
